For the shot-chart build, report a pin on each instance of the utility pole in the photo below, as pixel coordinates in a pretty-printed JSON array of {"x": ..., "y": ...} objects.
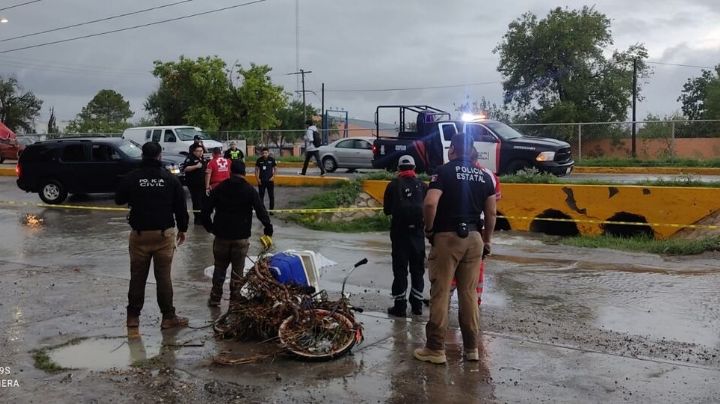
[
  {"x": 322, "y": 112},
  {"x": 634, "y": 107},
  {"x": 302, "y": 74}
]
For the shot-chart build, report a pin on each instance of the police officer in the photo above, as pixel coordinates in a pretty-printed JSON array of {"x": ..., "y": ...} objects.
[
  {"x": 194, "y": 169},
  {"x": 233, "y": 153},
  {"x": 459, "y": 193},
  {"x": 157, "y": 201},
  {"x": 233, "y": 202},
  {"x": 265, "y": 171},
  {"x": 403, "y": 200}
]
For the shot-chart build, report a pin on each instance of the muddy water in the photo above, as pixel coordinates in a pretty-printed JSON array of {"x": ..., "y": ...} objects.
[{"x": 106, "y": 353}]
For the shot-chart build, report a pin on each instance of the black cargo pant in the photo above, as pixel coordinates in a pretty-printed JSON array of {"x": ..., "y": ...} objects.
[
  {"x": 312, "y": 154},
  {"x": 145, "y": 246},
  {"x": 408, "y": 250},
  {"x": 270, "y": 187},
  {"x": 197, "y": 195},
  {"x": 227, "y": 252}
]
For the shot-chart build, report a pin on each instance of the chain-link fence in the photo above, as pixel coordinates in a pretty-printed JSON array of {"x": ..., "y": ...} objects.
[{"x": 654, "y": 139}]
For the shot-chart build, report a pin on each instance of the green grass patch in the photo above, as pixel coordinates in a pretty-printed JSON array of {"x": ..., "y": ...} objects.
[
  {"x": 43, "y": 362},
  {"x": 664, "y": 162},
  {"x": 644, "y": 244},
  {"x": 387, "y": 176},
  {"x": 378, "y": 222},
  {"x": 340, "y": 195},
  {"x": 283, "y": 159}
]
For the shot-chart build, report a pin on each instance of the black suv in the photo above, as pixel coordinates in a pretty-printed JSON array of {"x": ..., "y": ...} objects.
[{"x": 84, "y": 165}]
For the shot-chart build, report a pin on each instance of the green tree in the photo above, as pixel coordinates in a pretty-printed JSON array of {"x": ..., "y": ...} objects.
[
  {"x": 257, "y": 100},
  {"x": 18, "y": 109},
  {"x": 712, "y": 100},
  {"x": 556, "y": 69},
  {"x": 107, "y": 112},
  {"x": 192, "y": 92},
  {"x": 290, "y": 124},
  {"x": 52, "y": 123},
  {"x": 695, "y": 92}
]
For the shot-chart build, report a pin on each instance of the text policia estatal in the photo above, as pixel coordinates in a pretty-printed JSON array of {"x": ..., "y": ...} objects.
[{"x": 473, "y": 174}]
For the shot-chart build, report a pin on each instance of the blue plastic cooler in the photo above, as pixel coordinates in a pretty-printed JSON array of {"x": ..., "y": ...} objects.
[{"x": 288, "y": 268}]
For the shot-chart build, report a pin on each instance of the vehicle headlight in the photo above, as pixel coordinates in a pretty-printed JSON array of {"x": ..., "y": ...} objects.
[
  {"x": 546, "y": 156},
  {"x": 173, "y": 169}
]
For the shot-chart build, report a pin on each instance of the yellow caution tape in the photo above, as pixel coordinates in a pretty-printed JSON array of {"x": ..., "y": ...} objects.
[{"x": 357, "y": 209}]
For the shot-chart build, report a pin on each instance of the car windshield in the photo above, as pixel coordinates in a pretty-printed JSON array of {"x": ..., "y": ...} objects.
[
  {"x": 130, "y": 149},
  {"x": 189, "y": 133},
  {"x": 504, "y": 131}
]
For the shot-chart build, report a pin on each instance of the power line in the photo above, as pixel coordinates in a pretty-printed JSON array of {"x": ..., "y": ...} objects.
[
  {"x": 20, "y": 5},
  {"x": 679, "y": 65},
  {"x": 482, "y": 83},
  {"x": 97, "y": 20},
  {"x": 217, "y": 10}
]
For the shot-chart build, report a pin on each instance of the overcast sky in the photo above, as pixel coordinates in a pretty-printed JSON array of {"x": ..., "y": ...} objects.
[{"x": 347, "y": 44}]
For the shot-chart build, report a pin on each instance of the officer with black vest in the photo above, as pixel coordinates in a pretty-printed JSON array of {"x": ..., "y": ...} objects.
[
  {"x": 460, "y": 192},
  {"x": 157, "y": 201},
  {"x": 403, "y": 200}
]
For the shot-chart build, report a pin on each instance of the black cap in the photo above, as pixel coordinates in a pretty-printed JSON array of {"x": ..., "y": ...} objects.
[{"x": 237, "y": 167}]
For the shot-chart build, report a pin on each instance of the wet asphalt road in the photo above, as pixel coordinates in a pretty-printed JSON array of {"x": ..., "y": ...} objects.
[{"x": 559, "y": 324}]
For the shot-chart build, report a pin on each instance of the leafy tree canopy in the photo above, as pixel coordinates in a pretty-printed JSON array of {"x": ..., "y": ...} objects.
[
  {"x": 557, "y": 69},
  {"x": 18, "y": 109},
  {"x": 695, "y": 93},
  {"x": 107, "y": 112},
  {"x": 203, "y": 93}
]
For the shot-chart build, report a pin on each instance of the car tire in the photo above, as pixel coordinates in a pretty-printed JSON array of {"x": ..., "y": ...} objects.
[
  {"x": 329, "y": 164},
  {"x": 2, "y": 159},
  {"x": 52, "y": 192},
  {"x": 516, "y": 166}
]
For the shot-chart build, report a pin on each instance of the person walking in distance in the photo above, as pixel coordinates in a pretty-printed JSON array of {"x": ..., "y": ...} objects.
[
  {"x": 217, "y": 171},
  {"x": 265, "y": 170},
  {"x": 194, "y": 169},
  {"x": 233, "y": 202},
  {"x": 459, "y": 193},
  {"x": 312, "y": 142},
  {"x": 403, "y": 200},
  {"x": 157, "y": 203}
]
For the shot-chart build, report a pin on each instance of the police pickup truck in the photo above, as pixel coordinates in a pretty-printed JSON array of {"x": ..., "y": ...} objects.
[{"x": 500, "y": 147}]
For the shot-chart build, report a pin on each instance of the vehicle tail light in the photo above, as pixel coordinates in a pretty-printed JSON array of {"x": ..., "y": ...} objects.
[
  {"x": 374, "y": 150},
  {"x": 18, "y": 170}
]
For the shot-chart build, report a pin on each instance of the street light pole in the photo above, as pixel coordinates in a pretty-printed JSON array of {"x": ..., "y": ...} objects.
[{"x": 634, "y": 107}]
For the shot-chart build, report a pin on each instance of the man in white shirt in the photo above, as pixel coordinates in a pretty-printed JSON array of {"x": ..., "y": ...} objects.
[{"x": 311, "y": 150}]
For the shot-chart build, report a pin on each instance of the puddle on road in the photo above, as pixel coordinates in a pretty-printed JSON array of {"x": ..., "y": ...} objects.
[{"x": 102, "y": 353}]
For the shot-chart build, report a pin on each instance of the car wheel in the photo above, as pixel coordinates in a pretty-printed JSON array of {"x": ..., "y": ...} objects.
[
  {"x": 516, "y": 166},
  {"x": 329, "y": 164},
  {"x": 2, "y": 159},
  {"x": 52, "y": 192}
]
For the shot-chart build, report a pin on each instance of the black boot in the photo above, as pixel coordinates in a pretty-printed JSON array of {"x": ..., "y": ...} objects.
[
  {"x": 416, "y": 306},
  {"x": 399, "y": 309},
  {"x": 215, "y": 296}
]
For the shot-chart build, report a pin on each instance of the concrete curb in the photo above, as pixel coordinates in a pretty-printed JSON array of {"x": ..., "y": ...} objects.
[
  {"x": 665, "y": 209},
  {"x": 648, "y": 170}
]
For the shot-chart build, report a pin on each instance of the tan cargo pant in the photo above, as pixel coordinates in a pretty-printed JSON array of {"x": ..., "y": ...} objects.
[
  {"x": 452, "y": 256},
  {"x": 145, "y": 246}
]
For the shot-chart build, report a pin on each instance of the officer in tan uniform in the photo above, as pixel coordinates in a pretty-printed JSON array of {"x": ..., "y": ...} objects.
[{"x": 459, "y": 193}]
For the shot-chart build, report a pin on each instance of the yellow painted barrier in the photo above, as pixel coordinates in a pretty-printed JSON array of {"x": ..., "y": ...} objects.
[
  {"x": 7, "y": 171},
  {"x": 590, "y": 205}
]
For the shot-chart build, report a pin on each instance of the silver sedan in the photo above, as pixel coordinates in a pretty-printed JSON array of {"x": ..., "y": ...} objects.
[{"x": 352, "y": 152}]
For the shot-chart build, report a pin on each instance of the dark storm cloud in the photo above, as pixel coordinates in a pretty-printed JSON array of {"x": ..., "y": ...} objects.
[{"x": 371, "y": 44}]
